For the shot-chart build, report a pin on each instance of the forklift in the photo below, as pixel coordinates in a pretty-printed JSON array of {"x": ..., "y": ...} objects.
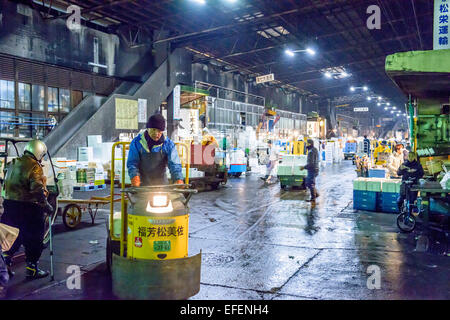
[{"x": 147, "y": 243}]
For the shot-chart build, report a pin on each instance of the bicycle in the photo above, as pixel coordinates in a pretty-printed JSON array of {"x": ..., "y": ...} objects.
[{"x": 406, "y": 220}]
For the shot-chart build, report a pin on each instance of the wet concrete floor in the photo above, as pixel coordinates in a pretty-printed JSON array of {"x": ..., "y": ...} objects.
[{"x": 260, "y": 243}]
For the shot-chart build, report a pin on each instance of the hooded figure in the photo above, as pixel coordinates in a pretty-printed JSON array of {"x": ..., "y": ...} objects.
[
  {"x": 312, "y": 167},
  {"x": 151, "y": 153}
]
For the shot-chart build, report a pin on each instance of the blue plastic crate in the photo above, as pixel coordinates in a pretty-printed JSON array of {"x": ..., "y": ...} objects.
[
  {"x": 365, "y": 195},
  {"x": 368, "y": 206},
  {"x": 365, "y": 200},
  {"x": 389, "y": 196},
  {"x": 237, "y": 168}
]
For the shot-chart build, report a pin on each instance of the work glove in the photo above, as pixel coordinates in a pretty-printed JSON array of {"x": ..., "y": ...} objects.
[
  {"x": 47, "y": 207},
  {"x": 136, "y": 181},
  {"x": 180, "y": 182}
]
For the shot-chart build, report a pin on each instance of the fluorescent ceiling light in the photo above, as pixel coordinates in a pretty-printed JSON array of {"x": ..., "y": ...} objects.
[
  {"x": 369, "y": 98},
  {"x": 352, "y": 88},
  {"x": 327, "y": 74},
  {"x": 365, "y": 88},
  {"x": 310, "y": 51},
  {"x": 289, "y": 52}
]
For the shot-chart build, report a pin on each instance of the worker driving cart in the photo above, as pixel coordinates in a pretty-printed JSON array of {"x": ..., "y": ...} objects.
[
  {"x": 150, "y": 154},
  {"x": 25, "y": 204}
]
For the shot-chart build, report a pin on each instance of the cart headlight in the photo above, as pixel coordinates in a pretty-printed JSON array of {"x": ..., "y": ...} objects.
[{"x": 159, "y": 203}]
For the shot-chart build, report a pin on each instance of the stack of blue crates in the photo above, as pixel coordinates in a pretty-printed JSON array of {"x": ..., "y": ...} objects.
[
  {"x": 365, "y": 200},
  {"x": 388, "y": 202}
]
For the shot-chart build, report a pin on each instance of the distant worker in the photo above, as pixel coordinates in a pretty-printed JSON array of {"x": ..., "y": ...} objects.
[
  {"x": 312, "y": 167},
  {"x": 273, "y": 161},
  {"x": 410, "y": 170},
  {"x": 381, "y": 153},
  {"x": 25, "y": 206},
  {"x": 395, "y": 161},
  {"x": 150, "y": 154},
  {"x": 366, "y": 145},
  {"x": 208, "y": 139}
]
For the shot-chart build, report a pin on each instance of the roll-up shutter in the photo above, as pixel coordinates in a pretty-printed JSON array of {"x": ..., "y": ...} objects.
[
  {"x": 6, "y": 68},
  {"x": 24, "y": 71}
]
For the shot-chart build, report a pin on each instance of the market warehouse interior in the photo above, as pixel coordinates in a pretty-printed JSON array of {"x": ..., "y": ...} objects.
[{"x": 260, "y": 150}]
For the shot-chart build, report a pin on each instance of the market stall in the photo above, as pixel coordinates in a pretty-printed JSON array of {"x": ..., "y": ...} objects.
[{"x": 425, "y": 77}]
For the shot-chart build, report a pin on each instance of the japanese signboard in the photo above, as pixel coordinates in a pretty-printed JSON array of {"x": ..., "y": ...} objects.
[
  {"x": 265, "y": 78},
  {"x": 364, "y": 109},
  {"x": 126, "y": 114},
  {"x": 441, "y": 24}
]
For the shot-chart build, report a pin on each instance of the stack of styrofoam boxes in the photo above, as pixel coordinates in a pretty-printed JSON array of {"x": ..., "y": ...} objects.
[
  {"x": 329, "y": 152},
  {"x": 366, "y": 193},
  {"x": 285, "y": 165},
  {"x": 66, "y": 173},
  {"x": 85, "y": 154},
  {"x": 390, "y": 195},
  {"x": 299, "y": 161},
  {"x": 238, "y": 162},
  {"x": 289, "y": 165}
]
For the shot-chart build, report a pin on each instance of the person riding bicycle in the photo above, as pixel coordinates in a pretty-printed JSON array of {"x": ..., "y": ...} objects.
[{"x": 411, "y": 170}]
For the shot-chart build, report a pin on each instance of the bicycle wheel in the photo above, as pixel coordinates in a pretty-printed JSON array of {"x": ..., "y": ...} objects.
[{"x": 406, "y": 223}]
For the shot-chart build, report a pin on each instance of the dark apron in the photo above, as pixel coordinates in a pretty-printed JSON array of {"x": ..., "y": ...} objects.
[{"x": 152, "y": 168}]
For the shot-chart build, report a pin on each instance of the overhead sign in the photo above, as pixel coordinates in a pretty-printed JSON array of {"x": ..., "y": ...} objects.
[
  {"x": 365, "y": 109},
  {"x": 265, "y": 78},
  {"x": 441, "y": 24}
]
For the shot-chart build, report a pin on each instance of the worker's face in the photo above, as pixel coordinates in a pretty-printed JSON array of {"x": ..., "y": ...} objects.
[{"x": 154, "y": 133}]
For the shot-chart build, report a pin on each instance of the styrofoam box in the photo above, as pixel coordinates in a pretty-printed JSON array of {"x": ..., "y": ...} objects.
[
  {"x": 94, "y": 140},
  {"x": 374, "y": 184},
  {"x": 392, "y": 186},
  {"x": 85, "y": 153},
  {"x": 360, "y": 184},
  {"x": 300, "y": 160}
]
